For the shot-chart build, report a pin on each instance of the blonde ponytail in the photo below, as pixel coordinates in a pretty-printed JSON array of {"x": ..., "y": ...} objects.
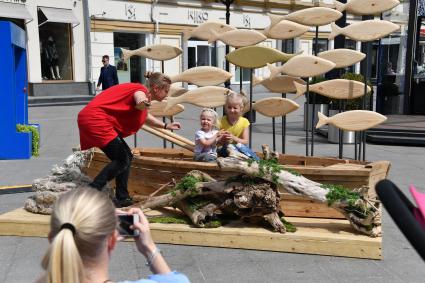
[{"x": 92, "y": 215}]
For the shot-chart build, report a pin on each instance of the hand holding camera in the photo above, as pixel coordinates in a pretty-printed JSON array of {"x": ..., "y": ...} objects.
[{"x": 138, "y": 228}]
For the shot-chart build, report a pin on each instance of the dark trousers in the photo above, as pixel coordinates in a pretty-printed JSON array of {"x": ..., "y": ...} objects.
[{"x": 120, "y": 155}]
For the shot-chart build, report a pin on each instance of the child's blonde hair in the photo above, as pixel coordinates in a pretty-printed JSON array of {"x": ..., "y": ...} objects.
[
  {"x": 232, "y": 96},
  {"x": 214, "y": 115}
]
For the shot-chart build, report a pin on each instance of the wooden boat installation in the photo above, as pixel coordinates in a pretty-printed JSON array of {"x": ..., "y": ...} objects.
[{"x": 153, "y": 167}]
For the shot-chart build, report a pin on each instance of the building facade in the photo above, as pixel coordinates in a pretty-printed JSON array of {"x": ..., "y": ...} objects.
[{"x": 55, "y": 39}]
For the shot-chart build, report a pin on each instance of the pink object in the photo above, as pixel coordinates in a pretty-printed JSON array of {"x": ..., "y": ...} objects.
[{"x": 420, "y": 202}]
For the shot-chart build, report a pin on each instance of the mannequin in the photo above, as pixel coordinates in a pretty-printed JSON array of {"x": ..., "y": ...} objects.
[{"x": 52, "y": 58}]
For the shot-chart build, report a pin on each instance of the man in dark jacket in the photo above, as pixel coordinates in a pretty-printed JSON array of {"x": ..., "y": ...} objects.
[{"x": 108, "y": 74}]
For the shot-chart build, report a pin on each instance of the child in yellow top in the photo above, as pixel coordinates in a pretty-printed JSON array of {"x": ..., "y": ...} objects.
[{"x": 235, "y": 127}]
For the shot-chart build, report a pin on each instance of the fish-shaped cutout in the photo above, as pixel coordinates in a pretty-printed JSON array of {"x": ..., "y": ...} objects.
[
  {"x": 207, "y": 96},
  {"x": 238, "y": 38},
  {"x": 159, "y": 52},
  {"x": 275, "y": 106},
  {"x": 256, "y": 56},
  {"x": 354, "y": 120},
  {"x": 203, "y": 31},
  {"x": 176, "y": 91},
  {"x": 280, "y": 83},
  {"x": 285, "y": 30},
  {"x": 302, "y": 66},
  {"x": 342, "y": 57},
  {"x": 315, "y": 16},
  {"x": 338, "y": 88},
  {"x": 202, "y": 76},
  {"x": 366, "y": 7},
  {"x": 157, "y": 109},
  {"x": 365, "y": 31}
]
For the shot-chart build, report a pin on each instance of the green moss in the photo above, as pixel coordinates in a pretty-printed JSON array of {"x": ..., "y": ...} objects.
[
  {"x": 35, "y": 137},
  {"x": 288, "y": 226},
  {"x": 243, "y": 179},
  {"x": 197, "y": 203},
  {"x": 339, "y": 193},
  {"x": 170, "y": 220},
  {"x": 188, "y": 182},
  {"x": 213, "y": 224},
  {"x": 272, "y": 167}
]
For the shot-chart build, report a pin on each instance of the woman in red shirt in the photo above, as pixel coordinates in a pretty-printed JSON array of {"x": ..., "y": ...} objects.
[{"x": 110, "y": 117}]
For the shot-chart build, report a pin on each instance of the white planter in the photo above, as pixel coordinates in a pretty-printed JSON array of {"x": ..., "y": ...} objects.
[{"x": 333, "y": 132}]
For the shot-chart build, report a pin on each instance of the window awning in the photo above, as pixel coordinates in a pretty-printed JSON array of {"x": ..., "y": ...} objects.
[
  {"x": 14, "y": 11},
  {"x": 56, "y": 15}
]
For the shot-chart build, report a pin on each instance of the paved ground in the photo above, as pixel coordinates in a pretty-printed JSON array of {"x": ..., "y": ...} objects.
[{"x": 20, "y": 257}]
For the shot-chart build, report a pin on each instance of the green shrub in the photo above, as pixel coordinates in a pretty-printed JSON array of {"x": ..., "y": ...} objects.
[
  {"x": 354, "y": 104},
  {"x": 35, "y": 137}
]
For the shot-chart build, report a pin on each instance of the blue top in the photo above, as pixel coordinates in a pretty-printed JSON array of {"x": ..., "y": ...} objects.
[{"x": 172, "y": 277}]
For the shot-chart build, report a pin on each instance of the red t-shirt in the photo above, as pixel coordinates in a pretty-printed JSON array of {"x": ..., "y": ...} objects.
[{"x": 110, "y": 114}]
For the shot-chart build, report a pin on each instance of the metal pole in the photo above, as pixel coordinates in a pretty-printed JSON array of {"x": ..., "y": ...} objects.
[
  {"x": 274, "y": 133},
  {"x": 164, "y": 142},
  {"x": 283, "y": 129},
  {"x": 240, "y": 78},
  {"x": 250, "y": 107},
  {"x": 341, "y": 135},
  {"x": 307, "y": 116},
  {"x": 316, "y": 49}
]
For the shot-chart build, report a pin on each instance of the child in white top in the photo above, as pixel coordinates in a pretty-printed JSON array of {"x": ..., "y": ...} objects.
[{"x": 206, "y": 137}]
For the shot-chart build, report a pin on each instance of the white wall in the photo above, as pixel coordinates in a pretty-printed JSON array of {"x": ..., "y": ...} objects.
[
  {"x": 78, "y": 45},
  {"x": 102, "y": 43}
]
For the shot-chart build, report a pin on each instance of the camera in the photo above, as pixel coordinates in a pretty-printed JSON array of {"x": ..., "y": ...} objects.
[{"x": 125, "y": 222}]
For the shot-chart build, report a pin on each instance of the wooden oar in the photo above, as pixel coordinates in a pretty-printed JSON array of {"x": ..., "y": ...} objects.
[
  {"x": 166, "y": 135},
  {"x": 176, "y": 136}
]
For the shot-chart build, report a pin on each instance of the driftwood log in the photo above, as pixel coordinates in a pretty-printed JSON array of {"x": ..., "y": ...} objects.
[{"x": 255, "y": 194}]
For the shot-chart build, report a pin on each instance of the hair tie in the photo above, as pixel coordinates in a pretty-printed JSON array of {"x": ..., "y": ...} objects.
[{"x": 68, "y": 226}]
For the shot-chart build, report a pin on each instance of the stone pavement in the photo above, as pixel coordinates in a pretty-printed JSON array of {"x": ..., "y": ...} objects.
[{"x": 20, "y": 257}]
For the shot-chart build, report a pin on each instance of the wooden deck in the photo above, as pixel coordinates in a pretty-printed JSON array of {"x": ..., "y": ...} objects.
[{"x": 318, "y": 236}]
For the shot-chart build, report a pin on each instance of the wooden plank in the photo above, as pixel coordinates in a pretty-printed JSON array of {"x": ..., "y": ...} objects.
[{"x": 314, "y": 236}]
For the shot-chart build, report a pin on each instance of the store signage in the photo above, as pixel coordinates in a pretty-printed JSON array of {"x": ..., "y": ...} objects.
[
  {"x": 15, "y": 1},
  {"x": 130, "y": 11},
  {"x": 246, "y": 20},
  {"x": 197, "y": 17}
]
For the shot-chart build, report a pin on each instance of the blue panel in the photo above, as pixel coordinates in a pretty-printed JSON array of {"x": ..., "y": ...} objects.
[{"x": 14, "y": 106}]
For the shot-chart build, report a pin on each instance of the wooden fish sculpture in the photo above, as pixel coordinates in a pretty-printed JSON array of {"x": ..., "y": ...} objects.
[
  {"x": 285, "y": 30},
  {"x": 202, "y": 76},
  {"x": 256, "y": 56},
  {"x": 160, "y": 52},
  {"x": 275, "y": 106},
  {"x": 157, "y": 109},
  {"x": 342, "y": 57},
  {"x": 315, "y": 16},
  {"x": 302, "y": 66},
  {"x": 365, "y": 31},
  {"x": 176, "y": 91},
  {"x": 238, "y": 38},
  {"x": 354, "y": 120},
  {"x": 203, "y": 31},
  {"x": 366, "y": 7},
  {"x": 207, "y": 96},
  {"x": 338, "y": 88},
  {"x": 280, "y": 83}
]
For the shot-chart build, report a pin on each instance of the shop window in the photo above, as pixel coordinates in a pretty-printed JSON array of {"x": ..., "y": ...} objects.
[
  {"x": 55, "y": 49},
  {"x": 133, "y": 69},
  {"x": 322, "y": 45}
]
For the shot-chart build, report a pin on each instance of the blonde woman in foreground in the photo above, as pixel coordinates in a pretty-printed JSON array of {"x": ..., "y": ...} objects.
[{"x": 83, "y": 236}]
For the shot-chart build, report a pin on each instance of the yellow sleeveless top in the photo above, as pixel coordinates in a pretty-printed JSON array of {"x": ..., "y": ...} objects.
[{"x": 236, "y": 129}]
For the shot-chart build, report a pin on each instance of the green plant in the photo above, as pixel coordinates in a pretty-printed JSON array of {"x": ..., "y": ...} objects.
[
  {"x": 354, "y": 104},
  {"x": 35, "y": 137}
]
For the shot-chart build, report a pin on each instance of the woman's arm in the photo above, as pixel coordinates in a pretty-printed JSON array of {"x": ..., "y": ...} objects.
[
  {"x": 154, "y": 122},
  {"x": 140, "y": 97}
]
